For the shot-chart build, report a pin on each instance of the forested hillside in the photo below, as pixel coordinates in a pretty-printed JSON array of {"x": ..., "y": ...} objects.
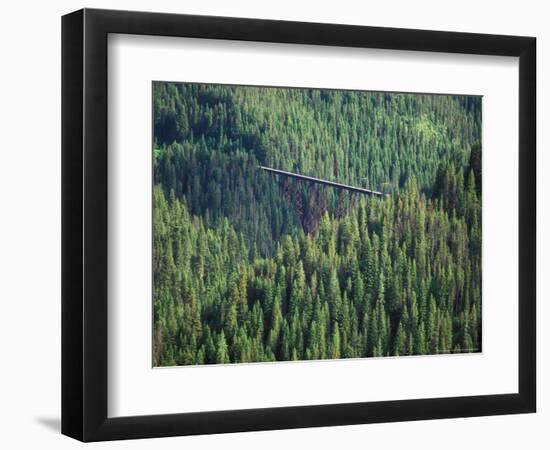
[{"x": 249, "y": 266}]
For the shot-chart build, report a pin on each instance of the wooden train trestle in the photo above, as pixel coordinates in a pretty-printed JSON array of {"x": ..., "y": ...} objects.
[{"x": 312, "y": 208}]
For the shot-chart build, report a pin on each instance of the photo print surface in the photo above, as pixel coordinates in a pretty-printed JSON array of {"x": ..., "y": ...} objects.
[{"x": 311, "y": 224}]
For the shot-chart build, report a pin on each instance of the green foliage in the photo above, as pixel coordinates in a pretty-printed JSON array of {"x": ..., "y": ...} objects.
[{"x": 249, "y": 268}]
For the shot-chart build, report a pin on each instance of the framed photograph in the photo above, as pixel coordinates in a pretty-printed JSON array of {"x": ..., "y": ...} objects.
[{"x": 273, "y": 224}]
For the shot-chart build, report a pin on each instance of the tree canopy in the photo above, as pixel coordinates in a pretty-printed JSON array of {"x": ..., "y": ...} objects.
[{"x": 249, "y": 266}]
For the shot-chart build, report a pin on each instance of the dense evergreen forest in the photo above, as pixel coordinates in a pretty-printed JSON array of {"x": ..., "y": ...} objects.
[{"x": 250, "y": 266}]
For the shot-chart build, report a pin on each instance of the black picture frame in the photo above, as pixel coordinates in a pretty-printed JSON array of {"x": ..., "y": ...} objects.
[{"x": 84, "y": 224}]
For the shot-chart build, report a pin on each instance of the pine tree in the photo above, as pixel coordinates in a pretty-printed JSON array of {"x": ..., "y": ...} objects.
[{"x": 222, "y": 355}]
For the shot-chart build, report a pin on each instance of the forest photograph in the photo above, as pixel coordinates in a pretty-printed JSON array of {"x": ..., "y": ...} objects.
[{"x": 294, "y": 224}]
